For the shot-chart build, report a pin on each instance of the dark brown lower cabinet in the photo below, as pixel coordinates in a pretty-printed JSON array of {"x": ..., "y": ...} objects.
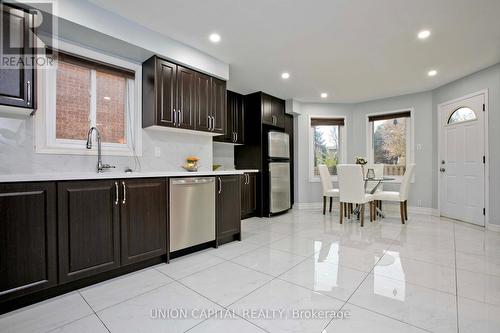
[
  {"x": 248, "y": 195},
  {"x": 27, "y": 238},
  {"x": 88, "y": 228},
  {"x": 228, "y": 216},
  {"x": 143, "y": 219}
]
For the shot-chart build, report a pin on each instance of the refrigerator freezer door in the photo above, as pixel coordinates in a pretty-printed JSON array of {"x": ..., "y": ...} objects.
[
  {"x": 278, "y": 145},
  {"x": 279, "y": 187}
]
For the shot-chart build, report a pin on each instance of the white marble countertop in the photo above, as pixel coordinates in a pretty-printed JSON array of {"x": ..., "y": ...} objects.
[{"x": 114, "y": 175}]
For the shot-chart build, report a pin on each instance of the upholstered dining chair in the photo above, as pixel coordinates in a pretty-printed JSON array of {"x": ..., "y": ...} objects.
[
  {"x": 327, "y": 185},
  {"x": 378, "y": 169},
  {"x": 402, "y": 195},
  {"x": 352, "y": 190}
]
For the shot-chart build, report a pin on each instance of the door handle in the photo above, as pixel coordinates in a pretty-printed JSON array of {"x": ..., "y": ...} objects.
[
  {"x": 124, "y": 193},
  {"x": 220, "y": 185},
  {"x": 28, "y": 93},
  {"x": 442, "y": 169},
  {"x": 116, "y": 194}
]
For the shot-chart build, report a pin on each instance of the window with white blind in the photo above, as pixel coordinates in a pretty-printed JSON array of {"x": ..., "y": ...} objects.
[
  {"x": 327, "y": 144},
  {"x": 86, "y": 89}
]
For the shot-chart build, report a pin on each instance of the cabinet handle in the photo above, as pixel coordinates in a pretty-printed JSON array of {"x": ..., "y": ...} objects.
[
  {"x": 220, "y": 185},
  {"x": 175, "y": 117},
  {"x": 213, "y": 123},
  {"x": 28, "y": 93},
  {"x": 116, "y": 193},
  {"x": 248, "y": 178},
  {"x": 181, "y": 117},
  {"x": 124, "y": 193},
  {"x": 236, "y": 135}
]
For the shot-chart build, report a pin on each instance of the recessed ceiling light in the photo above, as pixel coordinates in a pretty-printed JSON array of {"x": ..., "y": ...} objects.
[
  {"x": 107, "y": 98},
  {"x": 432, "y": 72},
  {"x": 214, "y": 38},
  {"x": 285, "y": 75},
  {"x": 424, "y": 34},
  {"x": 324, "y": 95}
]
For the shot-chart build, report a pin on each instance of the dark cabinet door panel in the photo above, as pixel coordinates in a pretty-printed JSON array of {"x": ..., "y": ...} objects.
[
  {"x": 17, "y": 86},
  {"x": 267, "y": 110},
  {"x": 278, "y": 111},
  {"x": 143, "y": 220},
  {"x": 239, "y": 119},
  {"x": 166, "y": 93},
  {"x": 203, "y": 102},
  {"x": 88, "y": 228},
  {"x": 219, "y": 105},
  {"x": 228, "y": 209},
  {"x": 27, "y": 238},
  {"x": 185, "y": 97}
]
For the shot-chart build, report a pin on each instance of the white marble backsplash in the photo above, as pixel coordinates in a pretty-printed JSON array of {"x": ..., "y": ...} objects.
[
  {"x": 224, "y": 155},
  {"x": 18, "y": 156}
]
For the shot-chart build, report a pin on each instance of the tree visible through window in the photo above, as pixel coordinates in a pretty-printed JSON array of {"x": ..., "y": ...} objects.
[
  {"x": 389, "y": 135},
  {"x": 326, "y": 142}
]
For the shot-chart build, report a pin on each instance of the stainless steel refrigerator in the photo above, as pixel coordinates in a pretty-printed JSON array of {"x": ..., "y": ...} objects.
[{"x": 279, "y": 171}]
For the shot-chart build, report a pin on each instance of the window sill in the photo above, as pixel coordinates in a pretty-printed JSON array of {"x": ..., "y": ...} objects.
[{"x": 90, "y": 152}]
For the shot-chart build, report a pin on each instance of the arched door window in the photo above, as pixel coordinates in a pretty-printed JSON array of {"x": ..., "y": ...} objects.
[{"x": 460, "y": 115}]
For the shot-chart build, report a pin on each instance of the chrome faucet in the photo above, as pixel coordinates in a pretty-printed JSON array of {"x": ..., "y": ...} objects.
[{"x": 100, "y": 166}]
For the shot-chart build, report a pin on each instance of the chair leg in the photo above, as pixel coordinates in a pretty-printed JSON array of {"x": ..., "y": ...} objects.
[
  {"x": 324, "y": 205},
  {"x": 406, "y": 210},
  {"x": 402, "y": 211},
  {"x": 350, "y": 207},
  {"x": 362, "y": 214},
  {"x": 348, "y": 210},
  {"x": 372, "y": 210},
  {"x": 341, "y": 212},
  {"x": 331, "y": 203}
]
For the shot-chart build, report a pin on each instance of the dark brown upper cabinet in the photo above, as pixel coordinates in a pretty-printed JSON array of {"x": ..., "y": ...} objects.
[
  {"x": 176, "y": 96},
  {"x": 88, "y": 228},
  {"x": 235, "y": 127},
  {"x": 143, "y": 216},
  {"x": 228, "y": 215},
  {"x": 203, "y": 105},
  {"x": 17, "y": 85},
  {"x": 273, "y": 111},
  {"x": 218, "y": 106},
  {"x": 28, "y": 258},
  {"x": 186, "y": 96}
]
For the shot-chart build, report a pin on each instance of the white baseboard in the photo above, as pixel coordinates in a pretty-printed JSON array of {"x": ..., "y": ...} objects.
[
  {"x": 389, "y": 207},
  {"x": 493, "y": 227}
]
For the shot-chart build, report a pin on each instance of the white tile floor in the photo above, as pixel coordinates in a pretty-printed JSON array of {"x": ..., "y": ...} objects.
[{"x": 429, "y": 275}]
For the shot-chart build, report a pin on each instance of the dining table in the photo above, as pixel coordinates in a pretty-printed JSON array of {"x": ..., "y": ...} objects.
[{"x": 378, "y": 181}]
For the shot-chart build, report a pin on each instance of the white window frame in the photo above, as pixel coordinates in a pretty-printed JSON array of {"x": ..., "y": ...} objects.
[
  {"x": 45, "y": 130},
  {"x": 343, "y": 146},
  {"x": 410, "y": 138}
]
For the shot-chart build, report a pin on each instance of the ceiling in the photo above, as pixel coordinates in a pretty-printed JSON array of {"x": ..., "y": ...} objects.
[{"x": 355, "y": 50}]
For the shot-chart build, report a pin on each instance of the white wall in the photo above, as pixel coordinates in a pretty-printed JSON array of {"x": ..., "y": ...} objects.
[
  {"x": 307, "y": 192},
  {"x": 486, "y": 79},
  {"x": 17, "y": 152},
  {"x": 224, "y": 155},
  {"x": 424, "y": 191}
]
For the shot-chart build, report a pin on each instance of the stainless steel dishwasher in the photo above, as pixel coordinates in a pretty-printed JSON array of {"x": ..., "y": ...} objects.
[{"x": 192, "y": 211}]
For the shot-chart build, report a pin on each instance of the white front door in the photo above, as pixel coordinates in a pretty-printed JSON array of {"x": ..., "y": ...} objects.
[{"x": 461, "y": 164}]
